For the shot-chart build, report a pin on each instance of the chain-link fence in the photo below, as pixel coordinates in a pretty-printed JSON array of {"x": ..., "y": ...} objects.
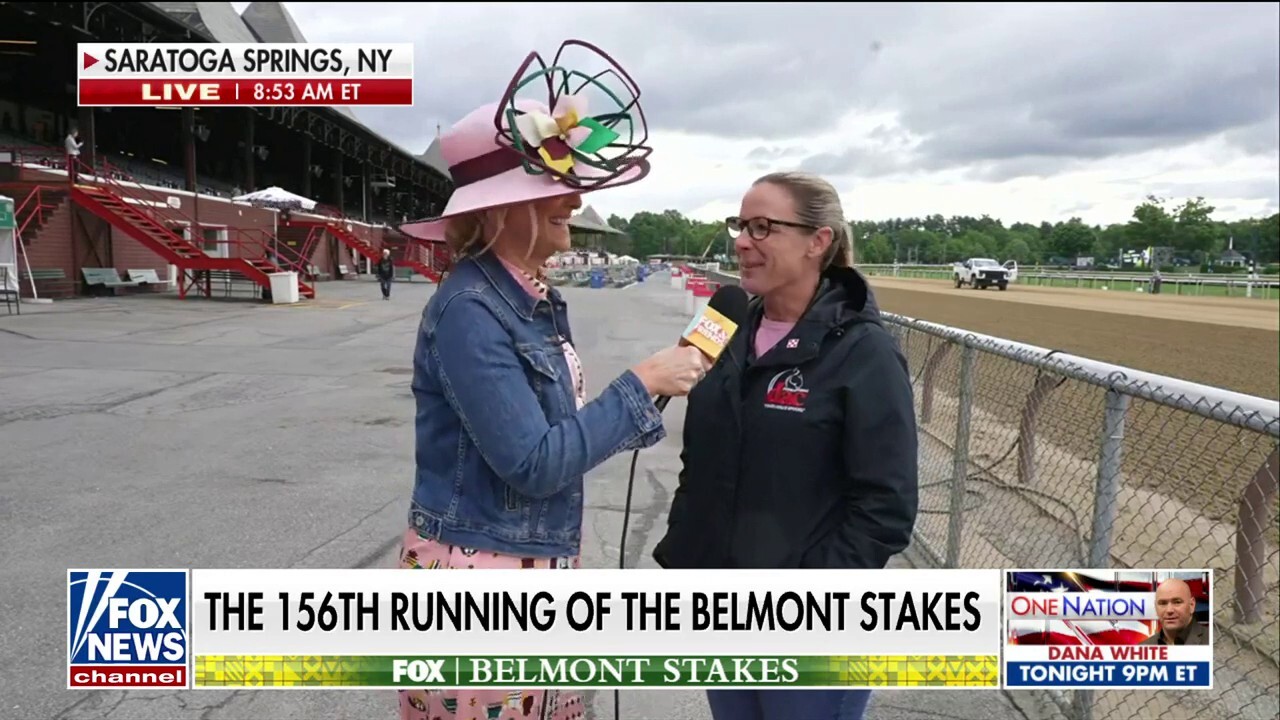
[
  {"x": 1036, "y": 459},
  {"x": 1032, "y": 458}
]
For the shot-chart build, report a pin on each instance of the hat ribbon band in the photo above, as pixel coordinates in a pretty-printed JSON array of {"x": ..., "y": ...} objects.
[{"x": 483, "y": 167}]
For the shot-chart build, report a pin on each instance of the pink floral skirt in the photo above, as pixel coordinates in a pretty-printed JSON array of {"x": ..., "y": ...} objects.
[{"x": 420, "y": 553}]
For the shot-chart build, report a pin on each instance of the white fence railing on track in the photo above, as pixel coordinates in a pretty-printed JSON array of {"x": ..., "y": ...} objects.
[{"x": 1265, "y": 287}]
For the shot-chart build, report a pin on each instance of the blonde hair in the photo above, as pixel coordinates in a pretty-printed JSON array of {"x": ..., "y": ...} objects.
[
  {"x": 466, "y": 235},
  {"x": 818, "y": 204}
]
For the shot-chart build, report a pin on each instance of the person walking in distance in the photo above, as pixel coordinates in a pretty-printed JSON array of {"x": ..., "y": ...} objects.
[
  {"x": 505, "y": 429},
  {"x": 385, "y": 270},
  {"x": 800, "y": 446}
]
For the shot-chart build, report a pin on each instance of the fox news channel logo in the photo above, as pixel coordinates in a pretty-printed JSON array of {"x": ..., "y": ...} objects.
[
  {"x": 127, "y": 629},
  {"x": 1109, "y": 629}
]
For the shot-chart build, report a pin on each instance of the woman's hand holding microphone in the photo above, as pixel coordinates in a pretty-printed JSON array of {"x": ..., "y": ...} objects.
[{"x": 674, "y": 371}]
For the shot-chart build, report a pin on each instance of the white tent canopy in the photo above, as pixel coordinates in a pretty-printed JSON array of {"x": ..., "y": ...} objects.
[{"x": 278, "y": 197}]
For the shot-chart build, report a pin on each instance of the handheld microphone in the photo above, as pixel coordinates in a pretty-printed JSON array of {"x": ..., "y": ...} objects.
[{"x": 711, "y": 330}]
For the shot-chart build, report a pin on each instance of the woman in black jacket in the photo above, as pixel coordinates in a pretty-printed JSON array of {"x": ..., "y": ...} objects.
[{"x": 800, "y": 444}]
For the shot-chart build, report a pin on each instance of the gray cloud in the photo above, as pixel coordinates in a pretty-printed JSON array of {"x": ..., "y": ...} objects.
[
  {"x": 1259, "y": 139},
  {"x": 773, "y": 153},
  {"x": 999, "y": 90},
  {"x": 772, "y": 157},
  {"x": 862, "y": 162},
  {"x": 1222, "y": 190}
]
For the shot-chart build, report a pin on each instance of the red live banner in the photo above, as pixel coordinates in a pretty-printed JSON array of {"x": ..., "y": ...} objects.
[{"x": 197, "y": 92}]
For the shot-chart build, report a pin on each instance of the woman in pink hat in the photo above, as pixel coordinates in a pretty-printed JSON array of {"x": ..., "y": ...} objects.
[{"x": 505, "y": 431}]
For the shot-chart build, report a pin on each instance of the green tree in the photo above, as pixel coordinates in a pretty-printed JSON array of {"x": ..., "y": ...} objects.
[
  {"x": 1017, "y": 249},
  {"x": 922, "y": 246},
  {"x": 1112, "y": 240},
  {"x": 1194, "y": 230},
  {"x": 936, "y": 239},
  {"x": 1071, "y": 239},
  {"x": 1268, "y": 234},
  {"x": 979, "y": 243},
  {"x": 875, "y": 250},
  {"x": 1151, "y": 226}
]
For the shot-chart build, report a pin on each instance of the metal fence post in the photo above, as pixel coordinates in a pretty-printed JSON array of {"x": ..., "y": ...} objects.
[
  {"x": 1251, "y": 541},
  {"x": 960, "y": 457},
  {"x": 1105, "y": 497},
  {"x": 1107, "y": 491},
  {"x": 931, "y": 370}
]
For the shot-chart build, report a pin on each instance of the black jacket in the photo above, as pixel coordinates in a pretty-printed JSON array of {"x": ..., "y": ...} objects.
[
  {"x": 385, "y": 268},
  {"x": 805, "y": 457}
]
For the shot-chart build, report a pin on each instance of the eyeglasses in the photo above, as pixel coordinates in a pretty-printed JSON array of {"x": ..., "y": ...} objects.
[{"x": 759, "y": 228}]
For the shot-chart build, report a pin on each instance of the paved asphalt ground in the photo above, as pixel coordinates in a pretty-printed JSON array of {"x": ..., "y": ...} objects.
[{"x": 147, "y": 431}]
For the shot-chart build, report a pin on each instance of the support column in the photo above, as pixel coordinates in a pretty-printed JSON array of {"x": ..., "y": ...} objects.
[
  {"x": 335, "y": 247},
  {"x": 249, "y": 155},
  {"x": 85, "y": 124},
  {"x": 188, "y": 136},
  {"x": 366, "y": 183},
  {"x": 306, "y": 165},
  {"x": 337, "y": 181}
]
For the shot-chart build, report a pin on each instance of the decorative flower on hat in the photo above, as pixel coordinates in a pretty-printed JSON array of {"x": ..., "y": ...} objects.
[
  {"x": 566, "y": 132},
  {"x": 577, "y": 148}
]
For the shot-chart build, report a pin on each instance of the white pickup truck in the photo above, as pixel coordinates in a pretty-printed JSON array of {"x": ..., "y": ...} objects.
[{"x": 982, "y": 273}]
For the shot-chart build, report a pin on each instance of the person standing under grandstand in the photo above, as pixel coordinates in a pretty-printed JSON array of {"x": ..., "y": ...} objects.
[
  {"x": 385, "y": 270},
  {"x": 73, "y": 146},
  {"x": 800, "y": 447},
  {"x": 505, "y": 430}
]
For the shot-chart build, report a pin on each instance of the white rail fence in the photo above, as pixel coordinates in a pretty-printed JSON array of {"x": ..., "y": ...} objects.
[
  {"x": 1266, "y": 287},
  {"x": 1034, "y": 458}
]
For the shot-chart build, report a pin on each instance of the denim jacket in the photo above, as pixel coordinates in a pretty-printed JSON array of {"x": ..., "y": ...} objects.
[{"x": 501, "y": 448}]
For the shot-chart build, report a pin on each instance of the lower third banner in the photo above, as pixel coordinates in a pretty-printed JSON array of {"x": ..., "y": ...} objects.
[
  {"x": 352, "y": 629},
  {"x": 981, "y": 671}
]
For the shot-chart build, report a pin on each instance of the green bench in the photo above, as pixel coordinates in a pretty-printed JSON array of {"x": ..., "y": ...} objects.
[{"x": 49, "y": 278}]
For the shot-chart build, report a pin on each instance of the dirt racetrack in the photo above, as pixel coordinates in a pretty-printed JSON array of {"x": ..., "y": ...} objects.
[
  {"x": 1221, "y": 342},
  {"x": 1225, "y": 342}
]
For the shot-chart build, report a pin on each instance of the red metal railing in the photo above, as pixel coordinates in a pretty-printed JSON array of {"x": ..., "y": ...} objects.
[
  {"x": 309, "y": 245},
  {"x": 296, "y": 260},
  {"x": 35, "y": 205},
  {"x": 252, "y": 243}
]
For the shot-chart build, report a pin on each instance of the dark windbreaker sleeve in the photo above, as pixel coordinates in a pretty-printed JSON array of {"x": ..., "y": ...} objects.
[{"x": 881, "y": 462}]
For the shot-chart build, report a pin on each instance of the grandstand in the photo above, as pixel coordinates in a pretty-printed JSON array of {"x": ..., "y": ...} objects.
[{"x": 153, "y": 189}]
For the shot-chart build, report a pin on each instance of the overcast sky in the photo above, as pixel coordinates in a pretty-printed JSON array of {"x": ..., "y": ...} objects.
[{"x": 1024, "y": 113}]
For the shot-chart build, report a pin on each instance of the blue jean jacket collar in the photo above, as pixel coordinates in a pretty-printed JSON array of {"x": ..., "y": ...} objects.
[{"x": 509, "y": 288}]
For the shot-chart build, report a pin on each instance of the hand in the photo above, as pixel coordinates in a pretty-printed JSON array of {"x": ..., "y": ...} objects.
[{"x": 674, "y": 371}]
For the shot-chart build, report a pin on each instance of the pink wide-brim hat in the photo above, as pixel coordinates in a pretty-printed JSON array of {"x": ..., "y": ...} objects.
[{"x": 522, "y": 150}]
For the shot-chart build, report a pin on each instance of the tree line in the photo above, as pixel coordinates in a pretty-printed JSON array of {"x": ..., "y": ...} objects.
[{"x": 1189, "y": 228}]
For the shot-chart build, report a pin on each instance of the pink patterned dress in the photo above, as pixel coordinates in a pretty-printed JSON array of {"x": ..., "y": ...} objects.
[{"x": 417, "y": 552}]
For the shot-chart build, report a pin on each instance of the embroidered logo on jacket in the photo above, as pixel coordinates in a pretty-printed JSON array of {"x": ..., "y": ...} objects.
[{"x": 787, "y": 391}]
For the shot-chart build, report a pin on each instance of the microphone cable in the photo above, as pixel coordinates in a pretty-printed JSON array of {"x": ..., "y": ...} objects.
[{"x": 622, "y": 557}]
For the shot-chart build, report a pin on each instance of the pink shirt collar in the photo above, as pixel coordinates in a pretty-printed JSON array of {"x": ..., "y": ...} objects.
[{"x": 536, "y": 288}]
